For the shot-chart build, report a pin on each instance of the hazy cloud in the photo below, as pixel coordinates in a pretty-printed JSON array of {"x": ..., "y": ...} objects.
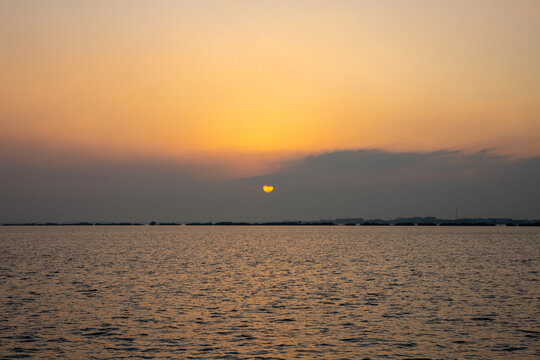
[{"x": 356, "y": 183}]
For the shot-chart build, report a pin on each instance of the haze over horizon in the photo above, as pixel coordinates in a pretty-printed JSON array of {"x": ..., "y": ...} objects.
[{"x": 183, "y": 110}]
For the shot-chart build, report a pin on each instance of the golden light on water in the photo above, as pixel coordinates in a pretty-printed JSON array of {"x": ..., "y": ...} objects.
[{"x": 268, "y": 188}]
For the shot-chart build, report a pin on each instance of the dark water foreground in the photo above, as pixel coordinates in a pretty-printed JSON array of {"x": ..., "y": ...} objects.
[{"x": 269, "y": 293}]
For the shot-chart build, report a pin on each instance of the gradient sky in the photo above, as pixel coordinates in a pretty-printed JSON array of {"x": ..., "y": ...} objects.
[{"x": 236, "y": 89}]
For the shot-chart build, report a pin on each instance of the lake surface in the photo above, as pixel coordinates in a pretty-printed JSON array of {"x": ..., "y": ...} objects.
[{"x": 269, "y": 292}]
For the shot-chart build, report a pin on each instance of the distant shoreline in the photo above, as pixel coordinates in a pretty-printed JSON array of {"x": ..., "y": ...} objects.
[{"x": 429, "y": 221}]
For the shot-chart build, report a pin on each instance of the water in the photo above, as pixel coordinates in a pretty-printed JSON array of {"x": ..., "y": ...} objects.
[{"x": 269, "y": 292}]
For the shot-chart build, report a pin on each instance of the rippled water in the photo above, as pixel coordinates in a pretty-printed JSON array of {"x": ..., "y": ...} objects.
[{"x": 269, "y": 292}]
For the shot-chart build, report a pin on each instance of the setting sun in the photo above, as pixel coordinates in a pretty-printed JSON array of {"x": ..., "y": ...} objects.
[{"x": 268, "y": 188}]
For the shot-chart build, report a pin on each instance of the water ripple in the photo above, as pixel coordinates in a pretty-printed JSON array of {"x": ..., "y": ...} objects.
[{"x": 269, "y": 293}]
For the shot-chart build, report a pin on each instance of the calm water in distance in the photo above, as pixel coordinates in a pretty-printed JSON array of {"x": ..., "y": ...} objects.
[{"x": 269, "y": 292}]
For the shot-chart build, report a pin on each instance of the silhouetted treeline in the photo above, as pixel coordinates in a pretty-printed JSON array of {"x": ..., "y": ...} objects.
[
  {"x": 273, "y": 223},
  {"x": 232, "y": 223},
  {"x": 118, "y": 224},
  {"x": 461, "y": 223},
  {"x": 73, "y": 224},
  {"x": 415, "y": 221}
]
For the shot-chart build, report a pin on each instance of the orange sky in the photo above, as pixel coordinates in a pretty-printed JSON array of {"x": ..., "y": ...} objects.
[{"x": 202, "y": 79}]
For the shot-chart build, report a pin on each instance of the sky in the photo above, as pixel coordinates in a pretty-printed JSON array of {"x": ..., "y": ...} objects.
[{"x": 111, "y": 109}]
